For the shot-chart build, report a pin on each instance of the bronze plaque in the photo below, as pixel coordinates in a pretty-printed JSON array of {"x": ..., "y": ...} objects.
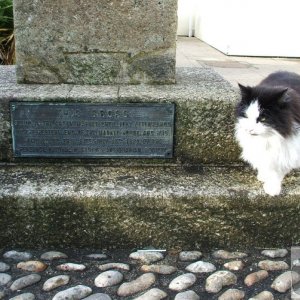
[{"x": 88, "y": 130}]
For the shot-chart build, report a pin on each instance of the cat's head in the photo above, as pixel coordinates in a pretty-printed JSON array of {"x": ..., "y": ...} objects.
[{"x": 264, "y": 111}]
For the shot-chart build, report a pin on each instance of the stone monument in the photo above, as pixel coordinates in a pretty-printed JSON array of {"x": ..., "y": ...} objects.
[
  {"x": 194, "y": 194},
  {"x": 96, "y": 42}
]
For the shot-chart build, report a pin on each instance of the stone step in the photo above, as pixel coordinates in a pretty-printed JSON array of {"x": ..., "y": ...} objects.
[
  {"x": 204, "y": 111},
  {"x": 122, "y": 207}
]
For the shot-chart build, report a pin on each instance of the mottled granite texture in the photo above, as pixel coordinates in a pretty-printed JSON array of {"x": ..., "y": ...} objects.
[{"x": 96, "y": 41}]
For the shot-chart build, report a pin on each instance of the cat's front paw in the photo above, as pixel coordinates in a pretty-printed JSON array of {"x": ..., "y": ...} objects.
[
  {"x": 272, "y": 189},
  {"x": 261, "y": 177}
]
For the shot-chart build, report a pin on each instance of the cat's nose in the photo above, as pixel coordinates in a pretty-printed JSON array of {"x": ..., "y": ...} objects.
[{"x": 252, "y": 132}]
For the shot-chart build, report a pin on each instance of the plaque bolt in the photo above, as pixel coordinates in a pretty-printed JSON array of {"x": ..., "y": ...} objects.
[
  {"x": 168, "y": 153},
  {"x": 13, "y": 107}
]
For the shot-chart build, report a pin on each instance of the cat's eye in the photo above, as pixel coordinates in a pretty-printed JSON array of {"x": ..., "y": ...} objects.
[{"x": 261, "y": 119}]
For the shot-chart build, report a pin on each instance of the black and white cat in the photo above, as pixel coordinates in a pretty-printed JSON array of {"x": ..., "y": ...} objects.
[{"x": 268, "y": 127}]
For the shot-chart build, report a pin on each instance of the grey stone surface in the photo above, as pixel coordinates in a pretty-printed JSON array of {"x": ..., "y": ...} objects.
[
  {"x": 75, "y": 293},
  {"x": 4, "y": 267},
  {"x": 25, "y": 296},
  {"x": 17, "y": 255},
  {"x": 223, "y": 254},
  {"x": 51, "y": 255},
  {"x": 120, "y": 42},
  {"x": 187, "y": 295},
  {"x": 189, "y": 255},
  {"x": 98, "y": 296},
  {"x": 4, "y": 279},
  {"x": 25, "y": 281},
  {"x": 182, "y": 282},
  {"x": 159, "y": 269},
  {"x": 55, "y": 282},
  {"x": 80, "y": 202},
  {"x": 215, "y": 282},
  {"x": 140, "y": 284},
  {"x": 285, "y": 281},
  {"x": 270, "y": 265},
  {"x": 153, "y": 294},
  {"x": 275, "y": 253},
  {"x": 232, "y": 294},
  {"x": 147, "y": 257},
  {"x": 108, "y": 278},
  {"x": 119, "y": 266},
  {"x": 201, "y": 267},
  {"x": 205, "y": 104}
]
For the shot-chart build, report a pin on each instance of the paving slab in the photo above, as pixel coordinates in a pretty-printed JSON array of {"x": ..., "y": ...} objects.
[{"x": 192, "y": 52}]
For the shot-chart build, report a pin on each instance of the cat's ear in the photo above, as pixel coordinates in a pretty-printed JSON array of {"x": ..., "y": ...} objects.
[
  {"x": 283, "y": 97},
  {"x": 246, "y": 91}
]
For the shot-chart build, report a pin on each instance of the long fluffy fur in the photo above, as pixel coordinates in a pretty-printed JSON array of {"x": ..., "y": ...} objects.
[{"x": 268, "y": 127}]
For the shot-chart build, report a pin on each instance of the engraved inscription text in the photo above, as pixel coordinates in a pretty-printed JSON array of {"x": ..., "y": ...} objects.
[{"x": 92, "y": 130}]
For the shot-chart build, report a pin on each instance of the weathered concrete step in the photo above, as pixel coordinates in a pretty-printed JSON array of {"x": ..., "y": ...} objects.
[
  {"x": 204, "y": 110},
  {"x": 93, "y": 206}
]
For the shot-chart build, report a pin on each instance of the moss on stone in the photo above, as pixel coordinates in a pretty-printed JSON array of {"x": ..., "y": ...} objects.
[{"x": 136, "y": 207}]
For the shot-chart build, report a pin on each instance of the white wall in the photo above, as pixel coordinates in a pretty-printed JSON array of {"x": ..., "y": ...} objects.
[
  {"x": 247, "y": 27},
  {"x": 186, "y": 17}
]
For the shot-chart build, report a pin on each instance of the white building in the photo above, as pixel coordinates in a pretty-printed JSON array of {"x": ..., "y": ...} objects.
[{"x": 243, "y": 27}]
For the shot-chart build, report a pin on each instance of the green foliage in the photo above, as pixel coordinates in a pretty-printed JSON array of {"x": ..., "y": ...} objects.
[{"x": 7, "y": 39}]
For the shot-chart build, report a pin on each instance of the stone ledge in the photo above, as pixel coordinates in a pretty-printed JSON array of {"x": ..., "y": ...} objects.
[
  {"x": 93, "y": 206},
  {"x": 204, "y": 110}
]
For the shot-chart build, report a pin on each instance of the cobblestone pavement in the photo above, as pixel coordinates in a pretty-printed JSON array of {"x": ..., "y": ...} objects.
[{"x": 147, "y": 274}]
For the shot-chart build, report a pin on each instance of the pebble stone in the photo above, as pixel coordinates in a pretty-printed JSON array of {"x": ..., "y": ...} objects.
[
  {"x": 270, "y": 265},
  {"x": 159, "y": 269},
  {"x": 98, "y": 296},
  {"x": 73, "y": 293},
  {"x": 147, "y": 257},
  {"x": 32, "y": 266},
  {"x": 18, "y": 256},
  {"x": 25, "y": 296},
  {"x": 51, "y": 255},
  {"x": 283, "y": 282},
  {"x": 296, "y": 263},
  {"x": 25, "y": 281},
  {"x": 232, "y": 294},
  {"x": 71, "y": 267},
  {"x": 216, "y": 281},
  {"x": 275, "y": 253},
  {"x": 4, "y": 267},
  {"x": 4, "y": 279},
  {"x": 153, "y": 294},
  {"x": 55, "y": 282},
  {"x": 256, "y": 277},
  {"x": 187, "y": 295},
  {"x": 120, "y": 266},
  {"x": 222, "y": 254},
  {"x": 138, "y": 285},
  {"x": 235, "y": 265},
  {"x": 97, "y": 256},
  {"x": 190, "y": 255},
  {"x": 108, "y": 278},
  {"x": 264, "y": 295},
  {"x": 201, "y": 267},
  {"x": 182, "y": 282}
]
